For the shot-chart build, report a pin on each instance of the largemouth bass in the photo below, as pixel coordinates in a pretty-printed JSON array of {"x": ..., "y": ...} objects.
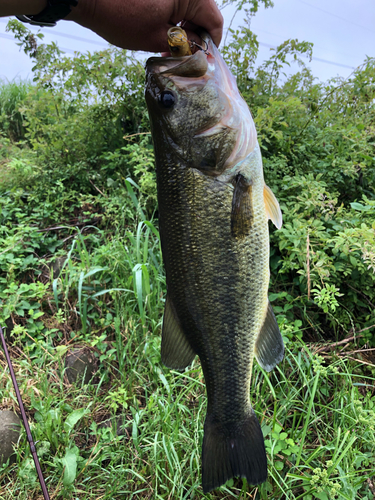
[{"x": 213, "y": 211}]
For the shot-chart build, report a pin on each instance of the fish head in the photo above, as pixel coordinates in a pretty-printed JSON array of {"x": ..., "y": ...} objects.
[{"x": 197, "y": 112}]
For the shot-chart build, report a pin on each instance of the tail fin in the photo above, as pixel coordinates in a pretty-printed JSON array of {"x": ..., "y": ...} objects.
[{"x": 233, "y": 450}]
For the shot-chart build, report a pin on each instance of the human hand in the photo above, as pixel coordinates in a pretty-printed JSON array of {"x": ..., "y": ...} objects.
[{"x": 143, "y": 24}]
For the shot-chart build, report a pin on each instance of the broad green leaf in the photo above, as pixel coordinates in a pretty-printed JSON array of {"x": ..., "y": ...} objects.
[
  {"x": 73, "y": 418},
  {"x": 61, "y": 350},
  {"x": 278, "y": 465},
  {"x": 69, "y": 463},
  {"x": 359, "y": 206}
]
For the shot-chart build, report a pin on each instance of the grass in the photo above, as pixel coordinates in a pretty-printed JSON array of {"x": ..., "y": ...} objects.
[
  {"x": 319, "y": 428},
  {"x": 12, "y": 95},
  {"x": 317, "y": 408},
  {"x": 317, "y": 412}
]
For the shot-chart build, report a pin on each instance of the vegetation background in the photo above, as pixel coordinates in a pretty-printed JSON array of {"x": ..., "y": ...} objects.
[{"x": 80, "y": 266}]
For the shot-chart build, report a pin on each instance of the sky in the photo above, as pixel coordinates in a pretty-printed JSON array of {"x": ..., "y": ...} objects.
[{"x": 342, "y": 31}]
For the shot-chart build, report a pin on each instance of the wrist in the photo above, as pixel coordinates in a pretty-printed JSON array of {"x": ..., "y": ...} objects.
[{"x": 54, "y": 11}]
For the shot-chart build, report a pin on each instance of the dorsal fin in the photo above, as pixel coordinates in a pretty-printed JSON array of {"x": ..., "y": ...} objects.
[
  {"x": 176, "y": 351},
  {"x": 272, "y": 207},
  {"x": 269, "y": 346}
]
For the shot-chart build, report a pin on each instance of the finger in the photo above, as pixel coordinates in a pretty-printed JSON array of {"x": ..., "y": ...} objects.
[
  {"x": 158, "y": 41},
  {"x": 191, "y": 29},
  {"x": 209, "y": 17},
  {"x": 204, "y": 14}
]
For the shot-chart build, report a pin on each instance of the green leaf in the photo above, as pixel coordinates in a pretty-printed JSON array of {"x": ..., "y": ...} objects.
[
  {"x": 133, "y": 197},
  {"x": 61, "y": 350},
  {"x": 353, "y": 260},
  {"x": 266, "y": 429},
  {"x": 277, "y": 428},
  {"x": 321, "y": 495},
  {"x": 73, "y": 418},
  {"x": 69, "y": 463},
  {"x": 279, "y": 465},
  {"x": 274, "y": 296},
  {"x": 359, "y": 206},
  {"x": 110, "y": 290}
]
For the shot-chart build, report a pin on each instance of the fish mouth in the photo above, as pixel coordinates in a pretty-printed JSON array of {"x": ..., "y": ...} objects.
[{"x": 193, "y": 66}]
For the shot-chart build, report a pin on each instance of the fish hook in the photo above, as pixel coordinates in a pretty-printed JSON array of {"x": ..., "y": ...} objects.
[{"x": 195, "y": 44}]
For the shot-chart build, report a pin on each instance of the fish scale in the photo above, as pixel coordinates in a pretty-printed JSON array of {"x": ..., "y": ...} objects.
[{"x": 213, "y": 219}]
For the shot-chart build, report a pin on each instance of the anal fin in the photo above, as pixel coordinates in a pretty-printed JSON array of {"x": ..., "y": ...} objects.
[
  {"x": 176, "y": 351},
  {"x": 242, "y": 216},
  {"x": 269, "y": 346}
]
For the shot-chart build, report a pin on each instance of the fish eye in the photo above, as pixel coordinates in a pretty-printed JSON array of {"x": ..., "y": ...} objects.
[{"x": 167, "y": 99}]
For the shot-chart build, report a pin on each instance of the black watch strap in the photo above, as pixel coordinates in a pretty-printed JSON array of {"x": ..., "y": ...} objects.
[{"x": 55, "y": 10}]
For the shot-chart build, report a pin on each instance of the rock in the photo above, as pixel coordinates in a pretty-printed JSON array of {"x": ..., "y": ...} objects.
[
  {"x": 51, "y": 269},
  {"x": 10, "y": 430},
  {"x": 58, "y": 265},
  {"x": 80, "y": 364},
  {"x": 119, "y": 423},
  {"x": 7, "y": 331}
]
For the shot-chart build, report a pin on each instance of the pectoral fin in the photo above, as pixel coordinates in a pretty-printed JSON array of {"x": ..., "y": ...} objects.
[
  {"x": 272, "y": 207},
  {"x": 269, "y": 346},
  {"x": 242, "y": 216},
  {"x": 176, "y": 352}
]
